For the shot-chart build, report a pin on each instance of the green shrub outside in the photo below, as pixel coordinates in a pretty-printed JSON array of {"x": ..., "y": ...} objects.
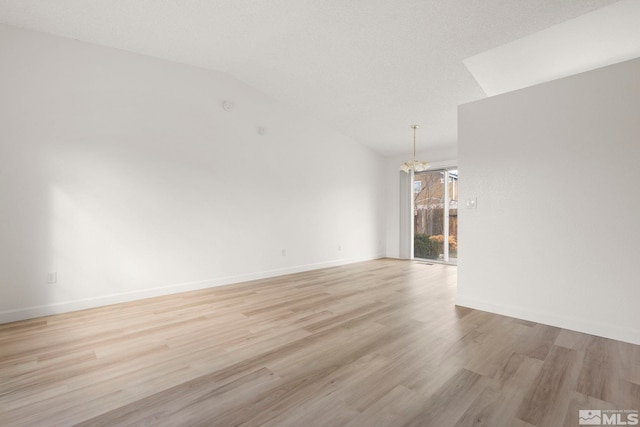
[{"x": 426, "y": 248}]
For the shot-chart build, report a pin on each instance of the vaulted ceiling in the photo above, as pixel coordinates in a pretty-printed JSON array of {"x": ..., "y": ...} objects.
[{"x": 368, "y": 68}]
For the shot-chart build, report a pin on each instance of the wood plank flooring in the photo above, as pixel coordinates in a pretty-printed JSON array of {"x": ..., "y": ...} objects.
[{"x": 378, "y": 343}]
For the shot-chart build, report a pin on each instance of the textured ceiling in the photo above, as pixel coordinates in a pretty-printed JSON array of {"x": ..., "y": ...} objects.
[
  {"x": 368, "y": 68},
  {"x": 603, "y": 37}
]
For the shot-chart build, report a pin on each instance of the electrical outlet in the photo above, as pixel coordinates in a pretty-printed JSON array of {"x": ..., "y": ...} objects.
[
  {"x": 52, "y": 278},
  {"x": 284, "y": 252},
  {"x": 339, "y": 247}
]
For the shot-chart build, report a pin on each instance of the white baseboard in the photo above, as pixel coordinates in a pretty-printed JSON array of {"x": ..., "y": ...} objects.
[
  {"x": 579, "y": 325},
  {"x": 103, "y": 300}
]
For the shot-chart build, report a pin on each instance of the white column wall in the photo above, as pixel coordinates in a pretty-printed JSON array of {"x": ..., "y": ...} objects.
[{"x": 555, "y": 236}]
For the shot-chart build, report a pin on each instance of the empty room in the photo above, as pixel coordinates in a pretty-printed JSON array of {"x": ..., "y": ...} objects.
[{"x": 319, "y": 213}]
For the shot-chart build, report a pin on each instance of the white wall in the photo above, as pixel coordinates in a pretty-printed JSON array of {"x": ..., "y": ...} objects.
[
  {"x": 556, "y": 236},
  {"x": 124, "y": 175}
]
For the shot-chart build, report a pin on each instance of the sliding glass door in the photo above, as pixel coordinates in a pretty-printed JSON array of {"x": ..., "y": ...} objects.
[{"x": 435, "y": 215}]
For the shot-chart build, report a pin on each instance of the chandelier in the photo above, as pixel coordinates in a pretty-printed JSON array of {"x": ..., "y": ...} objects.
[{"x": 414, "y": 165}]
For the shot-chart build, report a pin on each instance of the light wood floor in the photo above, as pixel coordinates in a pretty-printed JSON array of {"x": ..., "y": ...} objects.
[{"x": 378, "y": 343}]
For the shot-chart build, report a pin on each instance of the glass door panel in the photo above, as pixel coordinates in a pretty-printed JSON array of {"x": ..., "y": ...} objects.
[
  {"x": 453, "y": 215},
  {"x": 428, "y": 215},
  {"x": 435, "y": 215}
]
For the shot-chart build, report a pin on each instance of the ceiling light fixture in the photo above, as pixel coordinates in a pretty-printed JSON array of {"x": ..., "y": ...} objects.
[{"x": 414, "y": 165}]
